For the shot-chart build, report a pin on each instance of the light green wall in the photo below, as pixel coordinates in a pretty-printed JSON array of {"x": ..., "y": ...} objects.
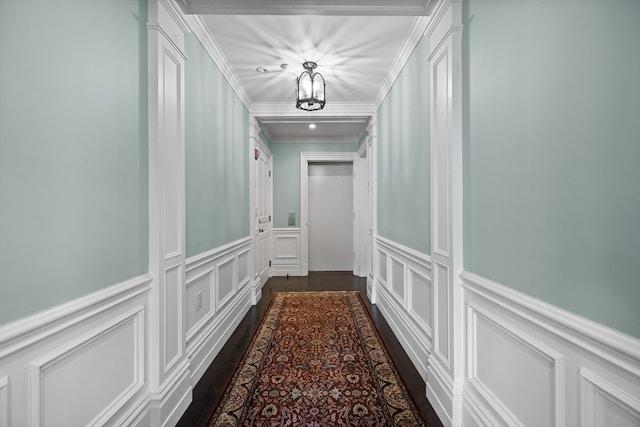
[
  {"x": 552, "y": 148},
  {"x": 73, "y": 150},
  {"x": 286, "y": 176},
  {"x": 217, "y": 156},
  {"x": 403, "y": 156}
]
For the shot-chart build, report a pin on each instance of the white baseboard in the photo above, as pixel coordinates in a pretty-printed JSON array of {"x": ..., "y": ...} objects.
[
  {"x": 168, "y": 405},
  {"x": 285, "y": 270}
]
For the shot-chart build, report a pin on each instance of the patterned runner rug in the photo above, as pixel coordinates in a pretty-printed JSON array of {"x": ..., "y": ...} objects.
[{"x": 316, "y": 360}]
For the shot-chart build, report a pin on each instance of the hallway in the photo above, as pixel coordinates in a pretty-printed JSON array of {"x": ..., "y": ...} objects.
[{"x": 212, "y": 384}]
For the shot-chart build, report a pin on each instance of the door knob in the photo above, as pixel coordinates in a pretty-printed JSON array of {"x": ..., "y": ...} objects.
[{"x": 261, "y": 230}]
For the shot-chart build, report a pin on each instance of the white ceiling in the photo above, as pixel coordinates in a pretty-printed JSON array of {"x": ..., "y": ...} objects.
[{"x": 357, "y": 45}]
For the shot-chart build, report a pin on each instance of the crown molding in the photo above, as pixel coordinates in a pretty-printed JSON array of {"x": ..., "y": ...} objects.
[
  {"x": 279, "y": 7},
  {"x": 208, "y": 41},
  {"x": 416, "y": 32},
  {"x": 288, "y": 109}
]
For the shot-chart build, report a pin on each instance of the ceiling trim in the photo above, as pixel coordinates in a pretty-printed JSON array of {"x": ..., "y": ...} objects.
[
  {"x": 313, "y": 140},
  {"x": 416, "y": 32},
  {"x": 279, "y": 7},
  {"x": 208, "y": 41},
  {"x": 336, "y": 109}
]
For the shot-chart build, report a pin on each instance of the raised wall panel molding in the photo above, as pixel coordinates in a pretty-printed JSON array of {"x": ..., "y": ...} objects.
[
  {"x": 442, "y": 329},
  {"x": 4, "y": 401},
  {"x": 205, "y": 282},
  {"x": 590, "y": 372},
  {"x": 286, "y": 251},
  {"x": 31, "y": 330},
  {"x": 603, "y": 404},
  {"x": 201, "y": 278},
  {"x": 515, "y": 339},
  {"x": 206, "y": 342},
  {"x": 226, "y": 280},
  {"x": 77, "y": 364},
  {"x": 401, "y": 266},
  {"x": 397, "y": 285},
  {"x": 85, "y": 329},
  {"x": 383, "y": 266},
  {"x": 610, "y": 345},
  {"x": 420, "y": 300}
]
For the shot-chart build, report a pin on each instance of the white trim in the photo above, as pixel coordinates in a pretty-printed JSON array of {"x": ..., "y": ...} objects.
[
  {"x": 555, "y": 358},
  {"x": 360, "y": 8},
  {"x": 199, "y": 260},
  {"x": 414, "y": 333},
  {"x": 608, "y": 344},
  {"x": 37, "y": 368},
  {"x": 231, "y": 259},
  {"x": 204, "y": 346},
  {"x": 307, "y": 157},
  {"x": 210, "y": 45},
  {"x": 593, "y": 387},
  {"x": 4, "y": 402},
  {"x": 285, "y": 264},
  {"x": 418, "y": 257},
  {"x": 33, "y": 329},
  {"x": 416, "y": 32},
  {"x": 334, "y": 109}
]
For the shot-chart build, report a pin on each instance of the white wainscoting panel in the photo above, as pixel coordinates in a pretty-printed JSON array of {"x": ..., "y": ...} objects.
[
  {"x": 529, "y": 363},
  {"x": 111, "y": 356},
  {"x": 382, "y": 267},
  {"x": 200, "y": 299},
  {"x": 605, "y": 404},
  {"x": 4, "y": 402},
  {"x": 397, "y": 280},
  {"x": 285, "y": 250},
  {"x": 226, "y": 280},
  {"x": 405, "y": 300},
  {"x": 220, "y": 276},
  {"x": 81, "y": 363},
  {"x": 420, "y": 299},
  {"x": 243, "y": 268},
  {"x": 496, "y": 348}
]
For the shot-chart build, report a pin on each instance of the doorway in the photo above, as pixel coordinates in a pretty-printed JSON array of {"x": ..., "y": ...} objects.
[
  {"x": 327, "y": 157},
  {"x": 331, "y": 216}
]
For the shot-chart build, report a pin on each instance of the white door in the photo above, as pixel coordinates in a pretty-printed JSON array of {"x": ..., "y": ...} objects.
[
  {"x": 263, "y": 208},
  {"x": 330, "y": 192}
]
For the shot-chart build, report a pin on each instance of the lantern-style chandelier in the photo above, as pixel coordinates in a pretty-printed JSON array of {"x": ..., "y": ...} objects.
[{"x": 310, "y": 93}]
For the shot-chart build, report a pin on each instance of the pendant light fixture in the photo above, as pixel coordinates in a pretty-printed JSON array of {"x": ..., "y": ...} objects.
[{"x": 310, "y": 95}]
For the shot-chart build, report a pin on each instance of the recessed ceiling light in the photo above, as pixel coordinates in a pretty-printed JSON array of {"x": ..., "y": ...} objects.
[{"x": 312, "y": 125}]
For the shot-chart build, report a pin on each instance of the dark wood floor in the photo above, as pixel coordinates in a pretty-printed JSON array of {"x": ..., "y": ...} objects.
[{"x": 211, "y": 386}]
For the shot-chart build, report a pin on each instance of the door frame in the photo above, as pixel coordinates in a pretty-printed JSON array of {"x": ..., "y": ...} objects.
[
  {"x": 256, "y": 143},
  {"x": 307, "y": 157}
]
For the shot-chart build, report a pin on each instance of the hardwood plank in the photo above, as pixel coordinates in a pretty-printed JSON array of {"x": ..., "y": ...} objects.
[{"x": 212, "y": 384}]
